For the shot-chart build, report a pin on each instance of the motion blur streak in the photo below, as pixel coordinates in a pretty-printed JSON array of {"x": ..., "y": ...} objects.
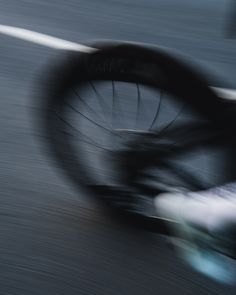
[
  {"x": 53, "y": 239},
  {"x": 43, "y": 39}
]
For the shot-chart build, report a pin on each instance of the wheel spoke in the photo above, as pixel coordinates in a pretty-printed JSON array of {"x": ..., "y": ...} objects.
[
  {"x": 138, "y": 105},
  {"x": 103, "y": 105},
  {"x": 172, "y": 122},
  {"x": 94, "y": 122},
  {"x": 157, "y": 111},
  {"x": 88, "y": 139},
  {"x": 97, "y": 114}
]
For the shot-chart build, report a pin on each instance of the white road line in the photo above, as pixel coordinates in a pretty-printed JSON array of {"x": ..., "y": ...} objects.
[
  {"x": 225, "y": 93},
  {"x": 43, "y": 39},
  {"x": 57, "y": 43}
]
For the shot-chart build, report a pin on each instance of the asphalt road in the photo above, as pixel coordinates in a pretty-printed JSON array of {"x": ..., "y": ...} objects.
[{"x": 52, "y": 239}]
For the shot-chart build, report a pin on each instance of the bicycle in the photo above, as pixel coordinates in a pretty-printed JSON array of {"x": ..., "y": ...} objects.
[{"x": 125, "y": 150}]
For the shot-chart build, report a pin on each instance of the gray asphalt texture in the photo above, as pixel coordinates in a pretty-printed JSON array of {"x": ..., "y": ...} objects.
[{"x": 52, "y": 239}]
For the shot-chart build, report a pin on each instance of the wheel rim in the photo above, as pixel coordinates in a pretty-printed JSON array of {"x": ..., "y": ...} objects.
[{"x": 100, "y": 111}]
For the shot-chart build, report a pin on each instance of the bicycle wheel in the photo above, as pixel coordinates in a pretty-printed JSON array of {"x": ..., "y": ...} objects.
[{"x": 130, "y": 118}]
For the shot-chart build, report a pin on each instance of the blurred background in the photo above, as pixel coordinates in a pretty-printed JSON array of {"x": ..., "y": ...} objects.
[{"x": 53, "y": 240}]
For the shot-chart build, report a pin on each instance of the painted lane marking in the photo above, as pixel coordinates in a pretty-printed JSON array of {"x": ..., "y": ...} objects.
[
  {"x": 45, "y": 40},
  {"x": 225, "y": 93}
]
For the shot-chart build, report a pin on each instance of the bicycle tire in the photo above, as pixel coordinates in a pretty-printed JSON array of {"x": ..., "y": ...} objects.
[{"x": 126, "y": 62}]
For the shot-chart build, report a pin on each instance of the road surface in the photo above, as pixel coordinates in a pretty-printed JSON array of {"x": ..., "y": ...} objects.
[{"x": 52, "y": 239}]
